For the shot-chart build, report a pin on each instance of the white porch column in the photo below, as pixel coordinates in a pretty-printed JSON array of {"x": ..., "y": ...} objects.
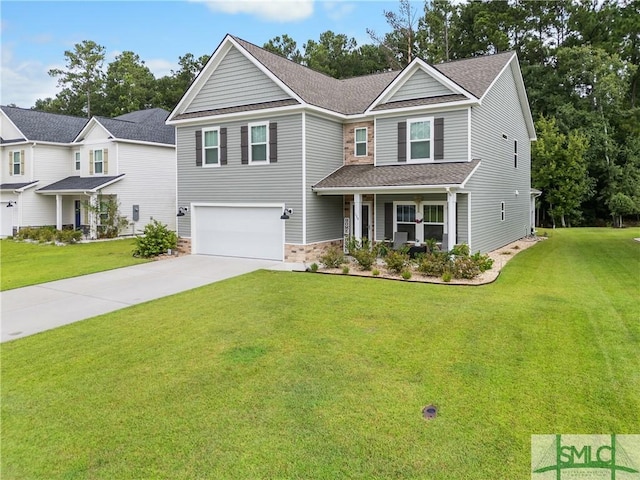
[
  {"x": 93, "y": 217},
  {"x": 357, "y": 216},
  {"x": 59, "y": 212},
  {"x": 451, "y": 219}
]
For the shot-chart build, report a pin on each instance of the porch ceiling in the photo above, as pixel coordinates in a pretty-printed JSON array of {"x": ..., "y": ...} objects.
[
  {"x": 405, "y": 177},
  {"x": 75, "y": 185}
]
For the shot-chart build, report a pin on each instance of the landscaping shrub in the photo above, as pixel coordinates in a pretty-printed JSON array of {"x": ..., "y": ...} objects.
[
  {"x": 406, "y": 274},
  {"x": 333, "y": 257},
  {"x": 313, "y": 267},
  {"x": 446, "y": 277},
  {"x": 464, "y": 267},
  {"x": 48, "y": 234},
  {"x": 461, "y": 250},
  {"x": 156, "y": 240},
  {"x": 375, "y": 272},
  {"x": 484, "y": 262},
  {"x": 363, "y": 252},
  {"x": 397, "y": 260},
  {"x": 345, "y": 269},
  {"x": 433, "y": 264},
  {"x": 68, "y": 236}
]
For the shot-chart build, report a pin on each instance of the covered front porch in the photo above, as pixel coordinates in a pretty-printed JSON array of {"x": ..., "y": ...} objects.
[
  {"x": 77, "y": 202},
  {"x": 421, "y": 203}
]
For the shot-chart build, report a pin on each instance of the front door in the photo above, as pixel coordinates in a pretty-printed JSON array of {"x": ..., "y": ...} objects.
[
  {"x": 77, "y": 223},
  {"x": 365, "y": 215}
]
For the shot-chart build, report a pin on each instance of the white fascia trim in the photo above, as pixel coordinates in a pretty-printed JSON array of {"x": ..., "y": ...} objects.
[
  {"x": 238, "y": 205},
  {"x": 469, "y": 134},
  {"x": 386, "y": 190},
  {"x": 464, "y": 183},
  {"x": 142, "y": 142},
  {"x": 441, "y": 107},
  {"x": 401, "y": 79},
  {"x": 208, "y": 120},
  {"x": 82, "y": 191},
  {"x": 304, "y": 177}
]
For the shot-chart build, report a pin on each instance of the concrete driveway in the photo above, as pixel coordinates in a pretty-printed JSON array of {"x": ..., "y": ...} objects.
[{"x": 34, "y": 309}]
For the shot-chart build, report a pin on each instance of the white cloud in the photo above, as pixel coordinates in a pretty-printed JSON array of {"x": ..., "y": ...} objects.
[
  {"x": 161, "y": 67},
  {"x": 338, "y": 10},
  {"x": 270, "y": 10},
  {"x": 23, "y": 82}
]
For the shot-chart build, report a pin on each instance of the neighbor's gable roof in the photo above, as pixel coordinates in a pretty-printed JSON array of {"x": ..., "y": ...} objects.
[
  {"x": 468, "y": 79},
  {"x": 43, "y": 126},
  {"x": 141, "y": 126},
  {"x": 80, "y": 184}
]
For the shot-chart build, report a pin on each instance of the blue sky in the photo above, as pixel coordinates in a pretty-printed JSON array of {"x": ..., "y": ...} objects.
[{"x": 35, "y": 34}]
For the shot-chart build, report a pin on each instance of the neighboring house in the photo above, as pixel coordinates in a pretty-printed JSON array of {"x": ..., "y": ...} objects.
[
  {"x": 56, "y": 164},
  {"x": 436, "y": 151}
]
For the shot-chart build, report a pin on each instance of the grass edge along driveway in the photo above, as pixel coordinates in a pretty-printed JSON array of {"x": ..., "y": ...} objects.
[
  {"x": 296, "y": 375},
  {"x": 25, "y": 263}
]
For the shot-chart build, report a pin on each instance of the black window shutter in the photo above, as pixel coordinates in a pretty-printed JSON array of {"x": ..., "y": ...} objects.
[
  {"x": 438, "y": 139},
  {"x": 402, "y": 141},
  {"x": 198, "y": 148},
  {"x": 244, "y": 145},
  {"x": 223, "y": 146},
  {"x": 388, "y": 221},
  {"x": 273, "y": 142}
]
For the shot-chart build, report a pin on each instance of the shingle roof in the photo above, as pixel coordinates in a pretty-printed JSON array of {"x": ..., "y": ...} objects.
[
  {"x": 16, "y": 186},
  {"x": 79, "y": 183},
  {"x": 141, "y": 127},
  {"x": 240, "y": 108},
  {"x": 414, "y": 102},
  {"x": 423, "y": 174},
  {"x": 348, "y": 96},
  {"x": 45, "y": 127},
  {"x": 354, "y": 95}
]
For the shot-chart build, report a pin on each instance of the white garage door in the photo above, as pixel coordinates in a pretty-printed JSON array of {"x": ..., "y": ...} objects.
[{"x": 238, "y": 231}]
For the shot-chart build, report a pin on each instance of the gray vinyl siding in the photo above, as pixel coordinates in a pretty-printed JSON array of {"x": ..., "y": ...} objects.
[
  {"x": 324, "y": 155},
  {"x": 420, "y": 85},
  {"x": 236, "y": 81},
  {"x": 236, "y": 183},
  {"x": 496, "y": 180},
  {"x": 455, "y": 136},
  {"x": 462, "y": 210}
]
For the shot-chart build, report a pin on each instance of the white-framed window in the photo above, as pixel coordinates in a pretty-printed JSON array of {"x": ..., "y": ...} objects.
[
  {"x": 98, "y": 161},
  {"x": 420, "y": 139},
  {"x": 502, "y": 212},
  {"x": 421, "y": 222},
  {"x": 515, "y": 154},
  {"x": 259, "y": 142},
  {"x": 360, "y": 136},
  {"x": 16, "y": 163},
  {"x": 211, "y": 147},
  {"x": 76, "y": 157}
]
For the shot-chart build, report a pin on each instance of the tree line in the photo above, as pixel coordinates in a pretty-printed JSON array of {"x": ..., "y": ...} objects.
[{"x": 579, "y": 59}]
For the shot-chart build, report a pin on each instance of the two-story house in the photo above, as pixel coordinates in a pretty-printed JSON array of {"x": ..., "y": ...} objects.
[
  {"x": 278, "y": 161},
  {"x": 59, "y": 165}
]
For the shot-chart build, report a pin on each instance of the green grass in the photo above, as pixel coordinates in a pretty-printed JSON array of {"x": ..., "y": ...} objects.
[
  {"x": 26, "y": 264},
  {"x": 291, "y": 375}
]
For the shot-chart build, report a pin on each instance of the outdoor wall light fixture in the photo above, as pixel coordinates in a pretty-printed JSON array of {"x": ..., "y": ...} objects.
[
  {"x": 285, "y": 213},
  {"x": 182, "y": 211},
  {"x": 11, "y": 204}
]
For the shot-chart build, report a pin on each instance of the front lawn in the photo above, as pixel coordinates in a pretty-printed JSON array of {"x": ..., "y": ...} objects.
[
  {"x": 298, "y": 375},
  {"x": 26, "y": 263}
]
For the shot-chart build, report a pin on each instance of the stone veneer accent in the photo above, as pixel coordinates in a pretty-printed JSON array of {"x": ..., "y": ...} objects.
[
  {"x": 307, "y": 253},
  {"x": 184, "y": 245},
  {"x": 350, "y": 146}
]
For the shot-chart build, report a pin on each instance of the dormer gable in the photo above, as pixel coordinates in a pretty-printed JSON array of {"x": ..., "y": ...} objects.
[{"x": 419, "y": 80}]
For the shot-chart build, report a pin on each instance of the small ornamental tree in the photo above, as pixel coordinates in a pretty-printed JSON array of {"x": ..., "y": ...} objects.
[{"x": 156, "y": 240}]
